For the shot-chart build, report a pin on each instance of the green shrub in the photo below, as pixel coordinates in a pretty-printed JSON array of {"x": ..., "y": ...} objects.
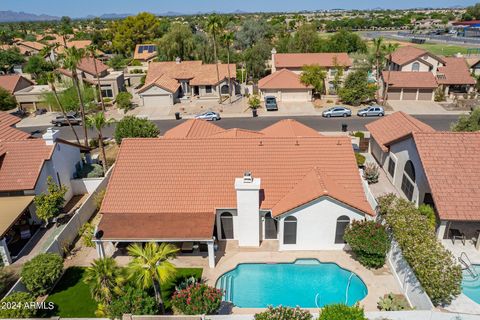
[
  {"x": 369, "y": 241},
  {"x": 342, "y": 312},
  {"x": 391, "y": 302},
  {"x": 49, "y": 204},
  {"x": 284, "y": 313},
  {"x": 433, "y": 265},
  {"x": 90, "y": 171},
  {"x": 197, "y": 299},
  {"x": 427, "y": 211},
  {"x": 124, "y": 101},
  {"x": 132, "y": 127},
  {"x": 40, "y": 273},
  {"x": 359, "y": 134},
  {"x": 86, "y": 233},
  {"x": 133, "y": 301},
  {"x": 360, "y": 159},
  {"x": 21, "y": 301},
  {"x": 7, "y": 101}
]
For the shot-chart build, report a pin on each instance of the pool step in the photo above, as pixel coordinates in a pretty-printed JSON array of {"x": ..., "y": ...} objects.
[{"x": 226, "y": 284}]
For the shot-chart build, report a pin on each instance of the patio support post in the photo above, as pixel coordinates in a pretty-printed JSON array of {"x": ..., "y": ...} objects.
[
  {"x": 441, "y": 230},
  {"x": 211, "y": 254},
  {"x": 100, "y": 249},
  {"x": 5, "y": 253},
  {"x": 477, "y": 244}
]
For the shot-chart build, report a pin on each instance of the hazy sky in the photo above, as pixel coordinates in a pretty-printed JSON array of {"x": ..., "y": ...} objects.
[{"x": 76, "y": 8}]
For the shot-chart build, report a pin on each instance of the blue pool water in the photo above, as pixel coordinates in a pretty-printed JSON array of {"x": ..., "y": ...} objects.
[
  {"x": 306, "y": 283},
  {"x": 470, "y": 285}
]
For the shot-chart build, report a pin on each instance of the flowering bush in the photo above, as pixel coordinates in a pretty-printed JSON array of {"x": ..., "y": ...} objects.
[
  {"x": 371, "y": 173},
  {"x": 434, "y": 266},
  {"x": 283, "y": 313},
  {"x": 197, "y": 299},
  {"x": 369, "y": 241}
]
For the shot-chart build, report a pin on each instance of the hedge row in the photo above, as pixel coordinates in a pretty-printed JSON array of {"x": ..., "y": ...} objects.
[{"x": 434, "y": 266}]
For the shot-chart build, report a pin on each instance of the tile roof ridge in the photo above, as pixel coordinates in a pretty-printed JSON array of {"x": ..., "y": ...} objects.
[{"x": 409, "y": 118}]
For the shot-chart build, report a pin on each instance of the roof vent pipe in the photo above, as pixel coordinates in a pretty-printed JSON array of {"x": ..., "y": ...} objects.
[
  {"x": 247, "y": 177},
  {"x": 178, "y": 60}
]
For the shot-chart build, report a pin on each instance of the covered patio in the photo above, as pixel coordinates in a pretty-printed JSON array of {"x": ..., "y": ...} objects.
[{"x": 17, "y": 226}]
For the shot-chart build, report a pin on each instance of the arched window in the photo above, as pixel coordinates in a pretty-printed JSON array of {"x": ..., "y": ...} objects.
[
  {"x": 224, "y": 89},
  {"x": 408, "y": 181},
  {"x": 226, "y": 221},
  {"x": 290, "y": 230},
  {"x": 416, "y": 66},
  {"x": 342, "y": 224}
]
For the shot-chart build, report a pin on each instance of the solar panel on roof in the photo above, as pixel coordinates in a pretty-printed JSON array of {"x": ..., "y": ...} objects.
[
  {"x": 151, "y": 49},
  {"x": 140, "y": 49}
]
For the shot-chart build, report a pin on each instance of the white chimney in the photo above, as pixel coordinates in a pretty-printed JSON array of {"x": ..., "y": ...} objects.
[
  {"x": 248, "y": 210},
  {"x": 274, "y": 52},
  {"x": 50, "y": 136},
  {"x": 178, "y": 60}
]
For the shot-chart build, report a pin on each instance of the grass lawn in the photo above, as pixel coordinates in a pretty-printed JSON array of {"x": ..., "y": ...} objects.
[
  {"x": 72, "y": 297},
  {"x": 442, "y": 49}
]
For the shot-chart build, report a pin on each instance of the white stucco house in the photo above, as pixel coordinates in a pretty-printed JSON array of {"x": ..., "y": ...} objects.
[
  {"x": 25, "y": 165},
  {"x": 432, "y": 167},
  {"x": 199, "y": 184}
]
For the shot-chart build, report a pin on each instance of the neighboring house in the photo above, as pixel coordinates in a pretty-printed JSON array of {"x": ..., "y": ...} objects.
[
  {"x": 111, "y": 83},
  {"x": 79, "y": 44},
  {"x": 14, "y": 83},
  {"x": 29, "y": 48},
  {"x": 285, "y": 85},
  {"x": 25, "y": 165},
  {"x": 32, "y": 98},
  {"x": 451, "y": 75},
  {"x": 167, "y": 83},
  {"x": 474, "y": 64},
  {"x": 436, "y": 168},
  {"x": 145, "y": 53},
  {"x": 286, "y": 184},
  {"x": 329, "y": 61}
]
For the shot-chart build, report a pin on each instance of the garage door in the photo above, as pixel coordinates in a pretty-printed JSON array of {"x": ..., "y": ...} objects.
[
  {"x": 394, "y": 94},
  {"x": 409, "y": 94},
  {"x": 157, "y": 101},
  {"x": 425, "y": 94},
  {"x": 295, "y": 95},
  {"x": 271, "y": 93},
  {"x": 30, "y": 107}
]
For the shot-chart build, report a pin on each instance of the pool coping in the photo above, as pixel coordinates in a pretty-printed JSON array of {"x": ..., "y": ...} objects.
[{"x": 293, "y": 262}]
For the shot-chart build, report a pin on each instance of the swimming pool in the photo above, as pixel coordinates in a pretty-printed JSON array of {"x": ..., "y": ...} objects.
[
  {"x": 306, "y": 283},
  {"x": 471, "y": 284}
]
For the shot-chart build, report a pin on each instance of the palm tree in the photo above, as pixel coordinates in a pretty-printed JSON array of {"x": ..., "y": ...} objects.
[
  {"x": 73, "y": 56},
  {"x": 214, "y": 25},
  {"x": 388, "y": 50},
  {"x": 378, "y": 57},
  {"x": 92, "y": 50},
  {"x": 51, "y": 77},
  {"x": 98, "y": 122},
  {"x": 151, "y": 267},
  {"x": 47, "y": 51},
  {"x": 104, "y": 278},
  {"x": 228, "y": 41}
]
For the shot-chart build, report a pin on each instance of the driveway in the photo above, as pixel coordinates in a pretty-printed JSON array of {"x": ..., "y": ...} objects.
[{"x": 420, "y": 107}]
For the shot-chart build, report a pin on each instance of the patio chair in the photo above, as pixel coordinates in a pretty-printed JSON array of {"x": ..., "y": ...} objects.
[{"x": 456, "y": 234}]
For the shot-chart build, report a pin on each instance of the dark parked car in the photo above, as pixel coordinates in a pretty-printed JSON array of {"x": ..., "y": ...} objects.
[
  {"x": 62, "y": 121},
  {"x": 271, "y": 103},
  {"x": 337, "y": 111}
]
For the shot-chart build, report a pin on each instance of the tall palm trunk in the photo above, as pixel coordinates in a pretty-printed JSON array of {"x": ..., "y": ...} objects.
[
  {"x": 98, "y": 83},
  {"x": 82, "y": 107},
  {"x": 229, "y": 77},
  {"x": 102, "y": 149},
  {"x": 216, "y": 64},
  {"x": 158, "y": 295},
  {"x": 385, "y": 92},
  {"x": 54, "y": 90}
]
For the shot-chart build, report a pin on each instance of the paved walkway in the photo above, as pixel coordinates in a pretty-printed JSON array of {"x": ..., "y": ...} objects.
[{"x": 383, "y": 186}]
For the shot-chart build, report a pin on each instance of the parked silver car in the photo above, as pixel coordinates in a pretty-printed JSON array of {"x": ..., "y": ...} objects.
[
  {"x": 371, "y": 111},
  {"x": 337, "y": 111},
  {"x": 209, "y": 116}
]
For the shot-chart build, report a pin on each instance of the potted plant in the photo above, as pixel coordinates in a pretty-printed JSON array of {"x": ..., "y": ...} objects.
[{"x": 254, "y": 104}]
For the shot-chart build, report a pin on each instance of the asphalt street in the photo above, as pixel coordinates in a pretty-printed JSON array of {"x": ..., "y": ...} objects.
[{"x": 438, "y": 122}]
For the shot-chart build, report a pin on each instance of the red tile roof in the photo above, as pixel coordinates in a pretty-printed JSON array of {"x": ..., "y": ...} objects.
[
  {"x": 283, "y": 79},
  {"x": 166, "y": 75},
  {"x": 144, "y": 55},
  {"x": 193, "y": 128},
  {"x": 290, "y": 128},
  {"x": 407, "y": 54},
  {"x": 7, "y": 133},
  {"x": 10, "y": 82},
  {"x": 456, "y": 71},
  {"x": 21, "y": 163},
  {"x": 298, "y": 60},
  {"x": 164, "y": 177},
  {"x": 87, "y": 65},
  {"x": 451, "y": 161},
  {"x": 394, "y": 127},
  {"x": 410, "y": 79}
]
